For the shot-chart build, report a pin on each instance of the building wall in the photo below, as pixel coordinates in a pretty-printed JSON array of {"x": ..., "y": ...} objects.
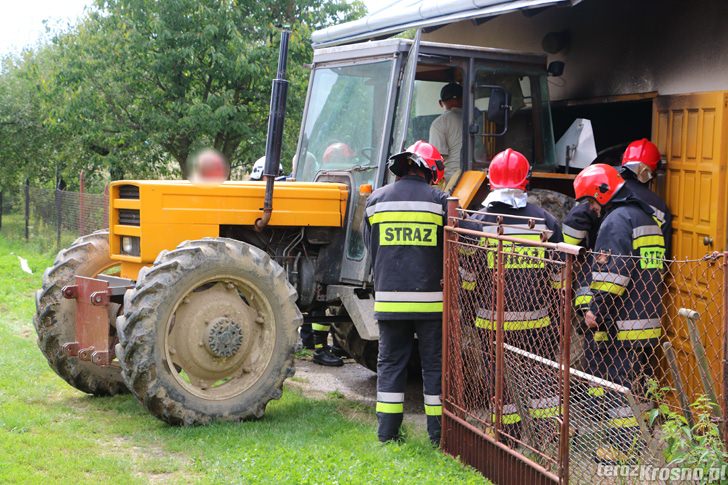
[{"x": 618, "y": 46}]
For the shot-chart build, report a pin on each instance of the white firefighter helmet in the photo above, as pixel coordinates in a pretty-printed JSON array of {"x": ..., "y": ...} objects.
[{"x": 259, "y": 167}]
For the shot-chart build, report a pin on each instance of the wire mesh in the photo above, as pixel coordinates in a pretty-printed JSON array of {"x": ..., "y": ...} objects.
[
  {"x": 55, "y": 217},
  {"x": 564, "y": 370}
]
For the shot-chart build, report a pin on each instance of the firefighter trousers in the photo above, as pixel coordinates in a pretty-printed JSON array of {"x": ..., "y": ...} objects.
[
  {"x": 396, "y": 342},
  {"x": 626, "y": 364}
]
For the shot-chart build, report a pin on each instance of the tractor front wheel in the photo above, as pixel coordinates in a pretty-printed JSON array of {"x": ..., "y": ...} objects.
[{"x": 208, "y": 332}]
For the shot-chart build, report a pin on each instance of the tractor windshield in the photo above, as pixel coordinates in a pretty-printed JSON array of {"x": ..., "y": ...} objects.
[{"x": 345, "y": 119}]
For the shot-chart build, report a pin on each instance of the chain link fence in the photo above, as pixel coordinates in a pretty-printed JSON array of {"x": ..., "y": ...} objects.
[
  {"x": 539, "y": 390},
  {"x": 53, "y": 218}
]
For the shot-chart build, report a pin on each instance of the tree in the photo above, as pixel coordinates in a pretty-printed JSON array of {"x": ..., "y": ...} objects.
[{"x": 144, "y": 80}]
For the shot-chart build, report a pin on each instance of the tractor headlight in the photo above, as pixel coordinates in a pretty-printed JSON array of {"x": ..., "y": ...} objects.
[{"x": 130, "y": 245}]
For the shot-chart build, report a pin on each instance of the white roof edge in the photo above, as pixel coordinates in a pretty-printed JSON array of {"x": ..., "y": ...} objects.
[{"x": 421, "y": 13}]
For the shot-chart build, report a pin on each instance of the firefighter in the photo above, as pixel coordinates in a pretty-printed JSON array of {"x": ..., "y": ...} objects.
[
  {"x": 624, "y": 315},
  {"x": 404, "y": 233},
  {"x": 530, "y": 283},
  {"x": 580, "y": 228},
  {"x": 639, "y": 164}
]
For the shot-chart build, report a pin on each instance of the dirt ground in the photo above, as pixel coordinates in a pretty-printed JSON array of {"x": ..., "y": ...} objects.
[{"x": 356, "y": 383}]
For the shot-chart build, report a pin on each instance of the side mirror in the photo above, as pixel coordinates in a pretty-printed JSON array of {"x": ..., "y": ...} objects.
[
  {"x": 499, "y": 107},
  {"x": 555, "y": 68}
]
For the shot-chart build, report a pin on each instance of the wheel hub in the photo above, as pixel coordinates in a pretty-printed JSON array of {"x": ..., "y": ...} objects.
[{"x": 224, "y": 337}]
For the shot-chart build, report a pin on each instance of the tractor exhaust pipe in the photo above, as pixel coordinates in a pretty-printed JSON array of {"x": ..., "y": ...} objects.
[{"x": 276, "y": 116}]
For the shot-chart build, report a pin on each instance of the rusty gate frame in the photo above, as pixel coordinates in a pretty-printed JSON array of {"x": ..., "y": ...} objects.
[{"x": 486, "y": 453}]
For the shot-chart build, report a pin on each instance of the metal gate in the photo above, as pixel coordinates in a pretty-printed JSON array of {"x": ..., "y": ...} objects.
[{"x": 533, "y": 395}]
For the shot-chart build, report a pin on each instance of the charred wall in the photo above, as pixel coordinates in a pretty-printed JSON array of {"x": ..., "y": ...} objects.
[{"x": 617, "y": 46}]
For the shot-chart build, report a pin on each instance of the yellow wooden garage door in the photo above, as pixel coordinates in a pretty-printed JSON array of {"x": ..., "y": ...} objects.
[{"x": 691, "y": 132}]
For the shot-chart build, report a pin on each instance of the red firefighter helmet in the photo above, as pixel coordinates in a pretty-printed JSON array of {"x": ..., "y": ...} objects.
[
  {"x": 641, "y": 157},
  {"x": 599, "y": 182},
  {"x": 509, "y": 169},
  {"x": 423, "y": 155},
  {"x": 338, "y": 153}
]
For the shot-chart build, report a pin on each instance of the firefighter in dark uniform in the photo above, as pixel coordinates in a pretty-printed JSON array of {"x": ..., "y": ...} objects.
[
  {"x": 639, "y": 164},
  {"x": 530, "y": 322},
  {"x": 625, "y": 312},
  {"x": 404, "y": 234},
  {"x": 580, "y": 227}
]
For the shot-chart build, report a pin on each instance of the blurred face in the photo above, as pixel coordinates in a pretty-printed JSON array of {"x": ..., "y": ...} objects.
[
  {"x": 211, "y": 167},
  {"x": 595, "y": 207}
]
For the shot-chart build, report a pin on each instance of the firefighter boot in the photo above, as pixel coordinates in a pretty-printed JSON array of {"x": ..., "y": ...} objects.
[
  {"x": 325, "y": 357},
  {"x": 322, "y": 353},
  {"x": 306, "y": 336},
  {"x": 434, "y": 429}
]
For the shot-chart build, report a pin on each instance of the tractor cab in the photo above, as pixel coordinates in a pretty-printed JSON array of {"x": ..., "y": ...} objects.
[
  {"x": 361, "y": 97},
  {"x": 368, "y": 101}
]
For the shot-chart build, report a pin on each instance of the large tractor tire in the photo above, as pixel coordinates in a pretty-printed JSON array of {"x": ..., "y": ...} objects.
[
  {"x": 55, "y": 317},
  {"x": 208, "y": 333}
]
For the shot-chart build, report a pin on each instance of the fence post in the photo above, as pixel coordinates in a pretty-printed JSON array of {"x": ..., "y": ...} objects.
[
  {"x": 27, "y": 207},
  {"x": 59, "y": 221},
  {"x": 106, "y": 205},
  {"x": 500, "y": 283},
  {"x": 81, "y": 205},
  {"x": 567, "y": 292}
]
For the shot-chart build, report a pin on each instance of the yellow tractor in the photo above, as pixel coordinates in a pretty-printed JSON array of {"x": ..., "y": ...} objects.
[{"x": 192, "y": 299}]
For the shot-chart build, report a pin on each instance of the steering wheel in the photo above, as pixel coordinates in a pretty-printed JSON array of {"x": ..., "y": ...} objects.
[{"x": 367, "y": 153}]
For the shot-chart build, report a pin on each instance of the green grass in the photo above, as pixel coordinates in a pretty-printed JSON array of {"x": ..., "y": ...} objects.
[{"x": 50, "y": 432}]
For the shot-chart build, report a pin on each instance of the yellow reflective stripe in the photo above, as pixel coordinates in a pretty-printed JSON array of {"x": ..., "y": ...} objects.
[
  {"x": 492, "y": 241},
  {"x": 318, "y": 346},
  {"x": 407, "y": 307},
  {"x": 390, "y": 408},
  {"x": 432, "y": 410},
  {"x": 629, "y": 422},
  {"x": 508, "y": 418},
  {"x": 320, "y": 327},
  {"x": 466, "y": 250},
  {"x": 643, "y": 241},
  {"x": 601, "y": 336},
  {"x": 583, "y": 300},
  {"x": 572, "y": 240},
  {"x": 596, "y": 391},
  {"x": 428, "y": 217},
  {"x": 541, "y": 413},
  {"x": 468, "y": 285},
  {"x": 612, "y": 288},
  {"x": 407, "y": 234},
  {"x": 639, "y": 334},
  {"x": 513, "y": 324}
]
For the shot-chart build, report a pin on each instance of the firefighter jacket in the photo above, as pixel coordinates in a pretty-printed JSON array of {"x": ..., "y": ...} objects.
[
  {"x": 660, "y": 211},
  {"x": 580, "y": 227},
  {"x": 404, "y": 233},
  {"x": 627, "y": 273},
  {"x": 528, "y": 277}
]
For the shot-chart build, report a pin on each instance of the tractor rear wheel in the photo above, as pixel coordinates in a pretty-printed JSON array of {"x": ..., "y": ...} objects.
[
  {"x": 55, "y": 317},
  {"x": 208, "y": 332},
  {"x": 364, "y": 352}
]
